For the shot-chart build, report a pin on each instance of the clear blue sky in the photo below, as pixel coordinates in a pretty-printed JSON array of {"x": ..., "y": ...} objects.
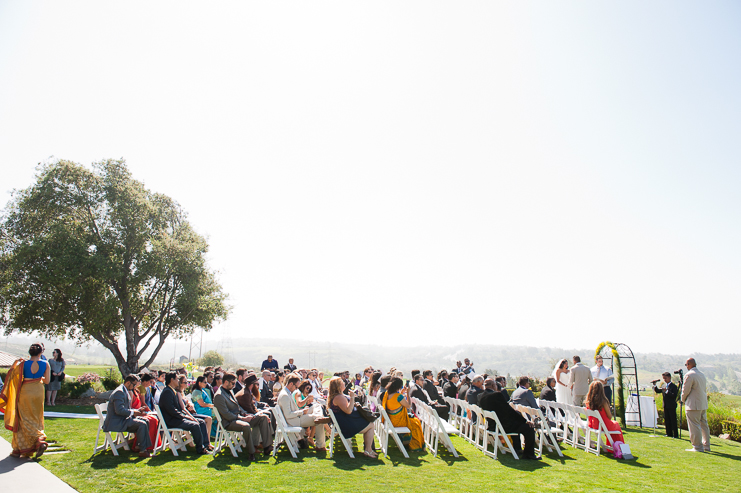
[{"x": 549, "y": 174}]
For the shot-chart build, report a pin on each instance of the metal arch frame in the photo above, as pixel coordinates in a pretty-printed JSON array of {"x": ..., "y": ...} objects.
[{"x": 629, "y": 372}]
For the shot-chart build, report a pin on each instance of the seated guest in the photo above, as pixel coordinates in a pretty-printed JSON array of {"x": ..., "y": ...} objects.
[
  {"x": 374, "y": 385},
  {"x": 216, "y": 383},
  {"x": 249, "y": 399},
  {"x": 384, "y": 381},
  {"x": 458, "y": 368},
  {"x": 290, "y": 366},
  {"x": 442, "y": 379},
  {"x": 367, "y": 375},
  {"x": 233, "y": 417},
  {"x": 121, "y": 416},
  {"x": 512, "y": 421},
  {"x": 348, "y": 418},
  {"x": 451, "y": 388},
  {"x": 523, "y": 395},
  {"x": 145, "y": 390},
  {"x": 597, "y": 401},
  {"x": 477, "y": 386},
  {"x": 396, "y": 404},
  {"x": 442, "y": 407},
  {"x": 269, "y": 364},
  {"x": 300, "y": 417},
  {"x": 463, "y": 387},
  {"x": 189, "y": 409},
  {"x": 502, "y": 382},
  {"x": 209, "y": 376},
  {"x": 202, "y": 402},
  {"x": 303, "y": 398},
  {"x": 260, "y": 420},
  {"x": 278, "y": 384},
  {"x": 241, "y": 373},
  {"x": 266, "y": 392},
  {"x": 160, "y": 384},
  {"x": 176, "y": 417},
  {"x": 549, "y": 391}
]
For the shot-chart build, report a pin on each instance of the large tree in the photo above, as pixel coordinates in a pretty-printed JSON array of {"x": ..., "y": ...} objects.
[{"x": 93, "y": 255}]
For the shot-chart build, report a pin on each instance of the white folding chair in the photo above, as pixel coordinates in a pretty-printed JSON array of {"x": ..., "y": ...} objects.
[
  {"x": 173, "y": 438},
  {"x": 500, "y": 439},
  {"x": 543, "y": 434},
  {"x": 121, "y": 440},
  {"x": 225, "y": 438},
  {"x": 580, "y": 428},
  {"x": 454, "y": 416},
  {"x": 336, "y": 430},
  {"x": 435, "y": 430},
  {"x": 385, "y": 428},
  {"x": 284, "y": 433}
]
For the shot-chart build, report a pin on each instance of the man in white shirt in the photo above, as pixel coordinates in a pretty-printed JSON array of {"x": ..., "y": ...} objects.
[{"x": 604, "y": 375}]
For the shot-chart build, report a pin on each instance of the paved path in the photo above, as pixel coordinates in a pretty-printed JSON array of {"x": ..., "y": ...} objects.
[{"x": 21, "y": 475}]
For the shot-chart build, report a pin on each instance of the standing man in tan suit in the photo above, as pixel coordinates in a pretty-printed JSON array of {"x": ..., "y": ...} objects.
[
  {"x": 695, "y": 398},
  {"x": 580, "y": 377}
]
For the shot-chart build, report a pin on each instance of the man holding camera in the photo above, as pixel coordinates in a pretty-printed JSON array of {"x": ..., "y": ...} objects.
[
  {"x": 669, "y": 392},
  {"x": 695, "y": 397}
]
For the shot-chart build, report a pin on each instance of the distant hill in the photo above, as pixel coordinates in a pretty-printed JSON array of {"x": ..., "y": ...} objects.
[{"x": 722, "y": 370}]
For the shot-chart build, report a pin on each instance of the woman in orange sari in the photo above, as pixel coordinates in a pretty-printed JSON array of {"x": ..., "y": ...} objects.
[
  {"x": 22, "y": 401},
  {"x": 396, "y": 406}
]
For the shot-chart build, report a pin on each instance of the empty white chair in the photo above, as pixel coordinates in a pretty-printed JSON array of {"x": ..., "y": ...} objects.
[{"x": 435, "y": 430}]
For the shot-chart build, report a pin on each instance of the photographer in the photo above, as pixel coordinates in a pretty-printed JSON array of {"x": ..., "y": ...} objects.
[
  {"x": 669, "y": 392},
  {"x": 695, "y": 398}
]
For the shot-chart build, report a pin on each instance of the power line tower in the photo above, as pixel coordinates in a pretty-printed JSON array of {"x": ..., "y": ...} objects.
[{"x": 196, "y": 344}]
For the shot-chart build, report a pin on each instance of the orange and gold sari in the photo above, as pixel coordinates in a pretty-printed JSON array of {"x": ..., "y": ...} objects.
[
  {"x": 22, "y": 402},
  {"x": 399, "y": 418}
]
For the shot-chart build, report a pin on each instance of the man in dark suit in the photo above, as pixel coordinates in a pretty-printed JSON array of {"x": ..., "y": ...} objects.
[
  {"x": 290, "y": 367},
  {"x": 234, "y": 418},
  {"x": 502, "y": 382},
  {"x": 239, "y": 384},
  {"x": 442, "y": 408},
  {"x": 549, "y": 393},
  {"x": 120, "y": 416},
  {"x": 512, "y": 421},
  {"x": 176, "y": 417},
  {"x": 669, "y": 392},
  {"x": 451, "y": 388},
  {"x": 266, "y": 390}
]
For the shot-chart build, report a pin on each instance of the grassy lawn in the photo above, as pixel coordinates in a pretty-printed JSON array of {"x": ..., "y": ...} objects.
[
  {"x": 661, "y": 465},
  {"x": 77, "y": 370}
]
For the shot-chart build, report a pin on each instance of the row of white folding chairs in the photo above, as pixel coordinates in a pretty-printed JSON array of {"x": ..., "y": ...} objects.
[
  {"x": 434, "y": 429},
  {"x": 574, "y": 429},
  {"x": 384, "y": 428},
  {"x": 476, "y": 431},
  {"x": 544, "y": 432}
]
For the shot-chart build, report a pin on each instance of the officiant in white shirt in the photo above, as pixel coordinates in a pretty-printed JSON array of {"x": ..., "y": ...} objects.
[{"x": 604, "y": 375}]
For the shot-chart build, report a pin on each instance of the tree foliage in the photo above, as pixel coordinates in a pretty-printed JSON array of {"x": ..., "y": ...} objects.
[
  {"x": 93, "y": 255},
  {"x": 211, "y": 358}
]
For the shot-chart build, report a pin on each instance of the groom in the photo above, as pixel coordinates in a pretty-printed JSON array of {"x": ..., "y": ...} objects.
[{"x": 579, "y": 379}]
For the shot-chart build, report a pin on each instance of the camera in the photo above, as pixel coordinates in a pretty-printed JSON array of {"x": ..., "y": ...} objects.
[
  {"x": 653, "y": 382},
  {"x": 678, "y": 372}
]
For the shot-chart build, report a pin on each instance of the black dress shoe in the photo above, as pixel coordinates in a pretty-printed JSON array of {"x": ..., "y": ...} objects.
[
  {"x": 252, "y": 457},
  {"x": 303, "y": 443},
  {"x": 532, "y": 457},
  {"x": 266, "y": 452}
]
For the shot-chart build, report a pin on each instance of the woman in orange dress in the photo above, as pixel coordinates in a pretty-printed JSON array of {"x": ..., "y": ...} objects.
[
  {"x": 396, "y": 405},
  {"x": 22, "y": 402}
]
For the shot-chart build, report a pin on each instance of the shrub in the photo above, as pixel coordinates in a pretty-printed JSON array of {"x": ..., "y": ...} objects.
[
  {"x": 733, "y": 428},
  {"x": 88, "y": 377},
  {"x": 112, "y": 379},
  {"x": 74, "y": 389}
]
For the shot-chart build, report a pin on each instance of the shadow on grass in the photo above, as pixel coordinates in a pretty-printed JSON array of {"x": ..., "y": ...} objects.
[
  {"x": 522, "y": 464},
  {"x": 106, "y": 460}
]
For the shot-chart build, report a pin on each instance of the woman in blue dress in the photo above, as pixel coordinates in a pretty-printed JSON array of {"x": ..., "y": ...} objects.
[{"x": 348, "y": 418}]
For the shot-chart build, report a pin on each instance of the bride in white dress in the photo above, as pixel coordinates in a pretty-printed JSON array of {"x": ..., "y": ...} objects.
[{"x": 561, "y": 374}]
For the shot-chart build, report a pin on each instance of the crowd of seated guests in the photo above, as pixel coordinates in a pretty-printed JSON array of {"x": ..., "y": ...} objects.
[{"x": 244, "y": 398}]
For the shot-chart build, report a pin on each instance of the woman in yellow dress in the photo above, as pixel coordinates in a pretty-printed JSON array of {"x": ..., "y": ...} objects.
[
  {"x": 397, "y": 405},
  {"x": 22, "y": 401}
]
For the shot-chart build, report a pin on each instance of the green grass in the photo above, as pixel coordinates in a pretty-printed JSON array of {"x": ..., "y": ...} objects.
[
  {"x": 77, "y": 370},
  {"x": 661, "y": 465}
]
